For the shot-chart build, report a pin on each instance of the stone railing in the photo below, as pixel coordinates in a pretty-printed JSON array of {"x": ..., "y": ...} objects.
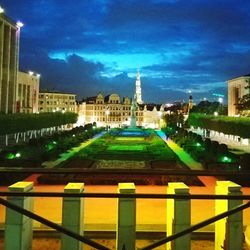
[{"x": 228, "y": 231}]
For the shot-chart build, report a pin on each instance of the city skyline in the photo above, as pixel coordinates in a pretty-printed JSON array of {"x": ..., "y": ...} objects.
[{"x": 90, "y": 47}]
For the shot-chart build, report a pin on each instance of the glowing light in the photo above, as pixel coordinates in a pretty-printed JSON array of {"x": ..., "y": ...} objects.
[
  {"x": 31, "y": 73},
  {"x": 226, "y": 159},
  {"x": 215, "y": 113},
  {"x": 73, "y": 135},
  {"x": 18, "y": 155},
  {"x": 10, "y": 156},
  {"x": 19, "y": 24},
  {"x": 1, "y": 10},
  {"x": 198, "y": 144},
  {"x": 220, "y": 100},
  {"x": 38, "y": 75},
  {"x": 107, "y": 112}
]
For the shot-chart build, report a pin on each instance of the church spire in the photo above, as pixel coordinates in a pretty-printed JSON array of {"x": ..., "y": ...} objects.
[{"x": 138, "y": 88}]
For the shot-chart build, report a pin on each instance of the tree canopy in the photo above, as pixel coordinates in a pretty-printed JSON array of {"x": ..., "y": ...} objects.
[{"x": 14, "y": 123}]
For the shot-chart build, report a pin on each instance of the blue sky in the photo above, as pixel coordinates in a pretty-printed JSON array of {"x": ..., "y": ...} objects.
[{"x": 91, "y": 46}]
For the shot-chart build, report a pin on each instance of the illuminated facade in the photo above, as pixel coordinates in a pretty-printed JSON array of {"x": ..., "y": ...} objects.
[
  {"x": 57, "y": 102},
  {"x": 113, "y": 111},
  {"x": 236, "y": 89},
  {"x": 9, "y": 56},
  {"x": 27, "y": 92}
]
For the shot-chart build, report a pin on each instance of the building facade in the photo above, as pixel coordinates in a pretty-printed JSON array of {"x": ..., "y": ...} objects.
[
  {"x": 27, "y": 92},
  {"x": 113, "y": 111},
  {"x": 9, "y": 57},
  {"x": 236, "y": 89},
  {"x": 57, "y": 102}
]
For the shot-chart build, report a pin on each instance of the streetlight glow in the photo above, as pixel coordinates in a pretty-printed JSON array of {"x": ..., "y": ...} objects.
[
  {"x": 31, "y": 73},
  {"x": 1, "y": 10},
  {"x": 220, "y": 100},
  {"x": 19, "y": 24}
]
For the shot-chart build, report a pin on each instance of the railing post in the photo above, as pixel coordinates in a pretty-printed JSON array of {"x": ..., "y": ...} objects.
[
  {"x": 228, "y": 231},
  {"x": 18, "y": 228},
  {"x": 126, "y": 221},
  {"x": 72, "y": 216},
  {"x": 178, "y": 216}
]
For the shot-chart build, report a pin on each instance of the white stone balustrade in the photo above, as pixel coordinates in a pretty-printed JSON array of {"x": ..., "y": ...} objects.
[
  {"x": 18, "y": 228},
  {"x": 228, "y": 231},
  {"x": 126, "y": 221},
  {"x": 72, "y": 216},
  {"x": 178, "y": 216}
]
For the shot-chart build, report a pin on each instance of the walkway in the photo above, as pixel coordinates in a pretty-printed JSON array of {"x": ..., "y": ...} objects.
[{"x": 187, "y": 159}]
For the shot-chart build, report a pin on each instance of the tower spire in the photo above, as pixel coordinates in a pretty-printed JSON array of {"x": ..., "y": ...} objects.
[{"x": 138, "y": 88}]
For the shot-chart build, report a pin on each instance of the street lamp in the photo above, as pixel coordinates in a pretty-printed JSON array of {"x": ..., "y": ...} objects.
[
  {"x": 19, "y": 24},
  {"x": 107, "y": 112}
]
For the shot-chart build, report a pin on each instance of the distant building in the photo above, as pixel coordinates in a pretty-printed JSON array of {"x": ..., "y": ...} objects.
[
  {"x": 236, "y": 89},
  {"x": 57, "y": 102},
  {"x": 113, "y": 111},
  {"x": 27, "y": 92},
  {"x": 9, "y": 57}
]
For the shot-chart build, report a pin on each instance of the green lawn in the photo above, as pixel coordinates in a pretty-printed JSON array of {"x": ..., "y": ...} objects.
[
  {"x": 126, "y": 148},
  {"x": 112, "y": 146}
]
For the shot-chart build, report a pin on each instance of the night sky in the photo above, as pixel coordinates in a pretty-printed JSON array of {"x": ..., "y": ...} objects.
[{"x": 91, "y": 46}]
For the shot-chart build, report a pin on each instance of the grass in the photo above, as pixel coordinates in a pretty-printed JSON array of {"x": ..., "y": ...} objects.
[
  {"x": 112, "y": 146},
  {"x": 126, "y": 148}
]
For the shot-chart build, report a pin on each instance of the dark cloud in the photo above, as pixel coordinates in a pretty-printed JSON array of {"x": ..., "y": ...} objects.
[{"x": 198, "y": 43}]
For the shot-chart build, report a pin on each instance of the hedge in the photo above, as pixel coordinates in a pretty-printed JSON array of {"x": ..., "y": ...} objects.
[
  {"x": 14, "y": 123},
  {"x": 239, "y": 126}
]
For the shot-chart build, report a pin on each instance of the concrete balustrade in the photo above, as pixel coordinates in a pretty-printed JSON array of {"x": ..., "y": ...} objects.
[
  {"x": 178, "y": 216},
  {"x": 72, "y": 216},
  {"x": 18, "y": 228},
  {"x": 228, "y": 231},
  {"x": 126, "y": 221}
]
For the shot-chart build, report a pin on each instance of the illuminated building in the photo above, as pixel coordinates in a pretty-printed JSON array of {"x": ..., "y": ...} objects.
[
  {"x": 236, "y": 89},
  {"x": 57, "y": 102},
  {"x": 113, "y": 111},
  {"x": 9, "y": 56},
  {"x": 27, "y": 92}
]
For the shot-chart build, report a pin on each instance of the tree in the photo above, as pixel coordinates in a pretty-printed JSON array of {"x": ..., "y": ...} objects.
[{"x": 206, "y": 107}]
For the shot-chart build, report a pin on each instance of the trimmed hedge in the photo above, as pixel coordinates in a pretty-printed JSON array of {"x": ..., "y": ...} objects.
[
  {"x": 14, "y": 123},
  {"x": 228, "y": 125}
]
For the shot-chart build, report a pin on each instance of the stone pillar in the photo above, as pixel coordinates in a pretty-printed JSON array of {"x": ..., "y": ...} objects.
[
  {"x": 126, "y": 221},
  {"x": 18, "y": 228},
  {"x": 72, "y": 216},
  {"x": 228, "y": 231},
  {"x": 178, "y": 216}
]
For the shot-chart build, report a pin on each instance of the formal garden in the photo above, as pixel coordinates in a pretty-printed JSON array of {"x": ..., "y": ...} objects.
[{"x": 131, "y": 155}]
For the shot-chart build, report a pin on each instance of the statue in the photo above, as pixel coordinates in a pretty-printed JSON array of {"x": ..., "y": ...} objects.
[{"x": 133, "y": 113}]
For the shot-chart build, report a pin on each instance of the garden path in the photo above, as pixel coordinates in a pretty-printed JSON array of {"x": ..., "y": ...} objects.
[{"x": 187, "y": 159}]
